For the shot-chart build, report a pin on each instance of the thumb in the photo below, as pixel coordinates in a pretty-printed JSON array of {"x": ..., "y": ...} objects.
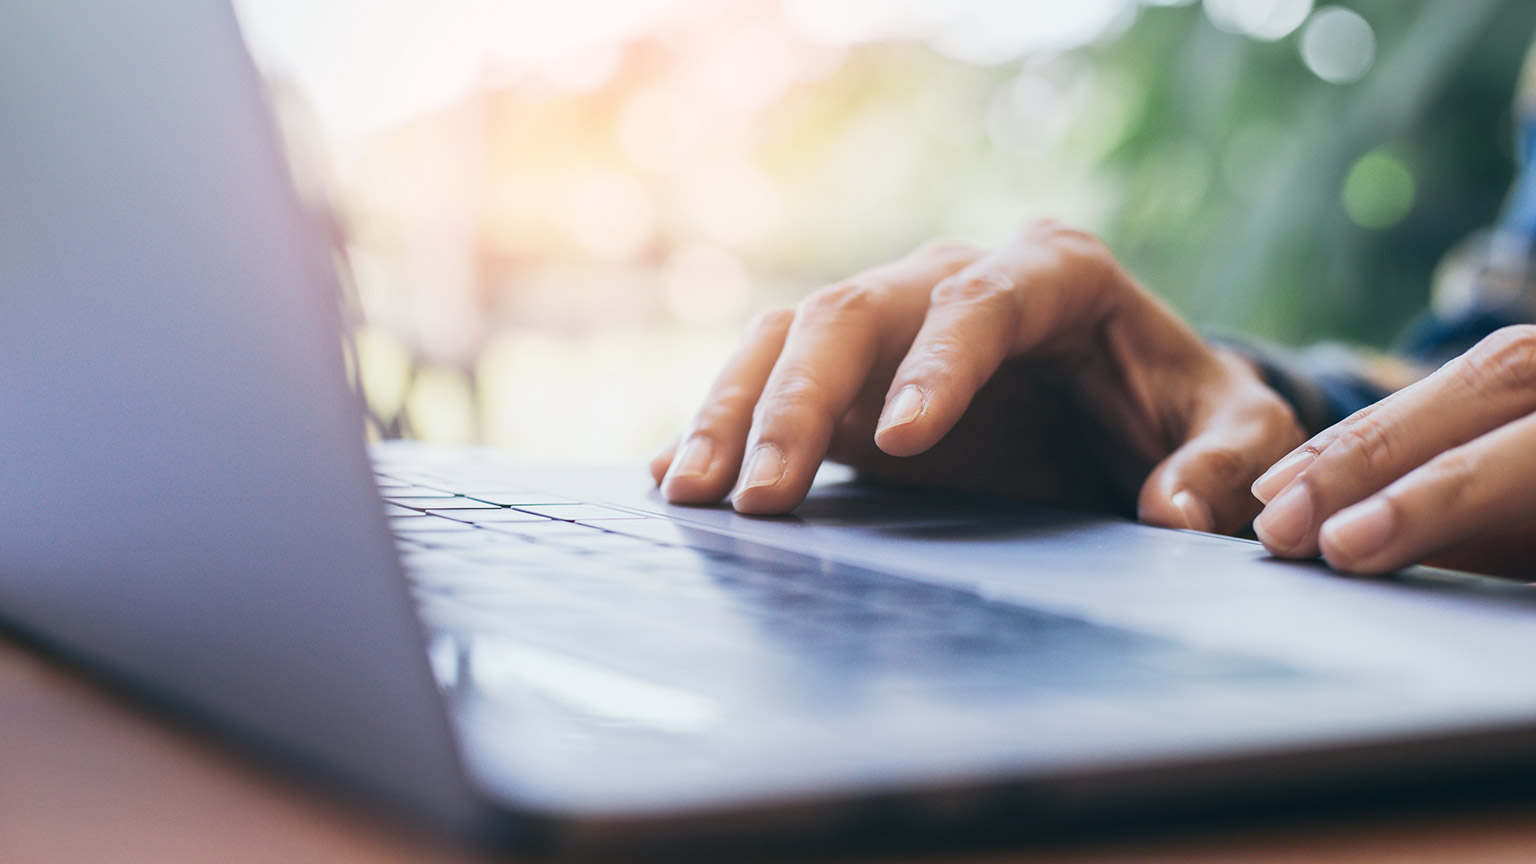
[{"x": 1204, "y": 484}]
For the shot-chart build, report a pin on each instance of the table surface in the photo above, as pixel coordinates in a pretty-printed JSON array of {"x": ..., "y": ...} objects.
[{"x": 87, "y": 775}]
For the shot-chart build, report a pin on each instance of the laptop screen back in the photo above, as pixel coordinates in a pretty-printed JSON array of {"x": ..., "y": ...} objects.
[{"x": 184, "y": 492}]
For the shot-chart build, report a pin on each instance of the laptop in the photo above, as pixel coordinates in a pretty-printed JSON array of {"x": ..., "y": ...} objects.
[{"x": 553, "y": 656}]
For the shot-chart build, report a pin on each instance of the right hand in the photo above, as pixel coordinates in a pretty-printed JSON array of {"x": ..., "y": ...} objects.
[{"x": 1039, "y": 370}]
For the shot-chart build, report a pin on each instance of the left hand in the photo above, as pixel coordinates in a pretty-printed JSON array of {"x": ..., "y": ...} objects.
[{"x": 1446, "y": 466}]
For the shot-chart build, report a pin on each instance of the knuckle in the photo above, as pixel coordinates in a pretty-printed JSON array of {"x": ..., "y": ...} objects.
[
  {"x": 988, "y": 287},
  {"x": 1276, "y": 416},
  {"x": 1369, "y": 445},
  {"x": 1273, "y": 411},
  {"x": 712, "y": 417},
  {"x": 1453, "y": 475},
  {"x": 1504, "y": 360},
  {"x": 937, "y": 358},
  {"x": 1065, "y": 238},
  {"x": 1358, "y": 416},
  {"x": 771, "y": 321},
  {"x": 851, "y": 297},
  {"x": 1074, "y": 250},
  {"x": 954, "y": 363},
  {"x": 1044, "y": 226},
  {"x": 947, "y": 250},
  {"x": 1325, "y": 439},
  {"x": 797, "y": 393},
  {"x": 1227, "y": 464},
  {"x": 726, "y": 402}
]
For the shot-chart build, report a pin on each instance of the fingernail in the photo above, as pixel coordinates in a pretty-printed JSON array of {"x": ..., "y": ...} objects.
[
  {"x": 1285, "y": 522},
  {"x": 693, "y": 460},
  {"x": 765, "y": 467},
  {"x": 903, "y": 409},
  {"x": 1196, "y": 513},
  {"x": 1274, "y": 481},
  {"x": 1361, "y": 531}
]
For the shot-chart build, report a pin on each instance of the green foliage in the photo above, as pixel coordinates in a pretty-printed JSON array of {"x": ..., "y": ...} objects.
[{"x": 1243, "y": 170}]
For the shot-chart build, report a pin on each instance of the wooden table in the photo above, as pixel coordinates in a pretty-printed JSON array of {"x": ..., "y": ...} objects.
[{"x": 88, "y": 776}]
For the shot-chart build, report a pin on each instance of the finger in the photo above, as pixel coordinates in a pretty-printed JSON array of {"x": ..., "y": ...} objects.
[
  {"x": 1476, "y": 489},
  {"x": 1274, "y": 481},
  {"x": 1501, "y": 354},
  {"x": 1005, "y": 302},
  {"x": 839, "y": 335},
  {"x": 1203, "y": 484},
  {"x": 663, "y": 460},
  {"x": 1492, "y": 384},
  {"x": 1509, "y": 553},
  {"x": 1279, "y": 475},
  {"x": 709, "y": 452}
]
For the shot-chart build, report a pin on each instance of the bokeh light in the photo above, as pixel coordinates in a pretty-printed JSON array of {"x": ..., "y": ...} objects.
[
  {"x": 1379, "y": 190},
  {"x": 1260, "y": 19},
  {"x": 608, "y": 215},
  {"x": 559, "y": 216},
  {"x": 1338, "y": 45}
]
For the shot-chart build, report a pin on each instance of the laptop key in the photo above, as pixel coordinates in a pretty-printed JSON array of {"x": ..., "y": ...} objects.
[
  {"x": 491, "y": 517},
  {"x": 411, "y": 526},
  {"x": 547, "y": 529},
  {"x": 549, "y": 565},
  {"x": 515, "y": 498},
  {"x": 445, "y": 503},
  {"x": 412, "y": 491},
  {"x": 418, "y": 478},
  {"x": 578, "y": 512},
  {"x": 464, "y": 541}
]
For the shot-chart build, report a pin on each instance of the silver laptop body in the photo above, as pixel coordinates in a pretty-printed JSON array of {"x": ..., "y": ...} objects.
[{"x": 187, "y": 506}]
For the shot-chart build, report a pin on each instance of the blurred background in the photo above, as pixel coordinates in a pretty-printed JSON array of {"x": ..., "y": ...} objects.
[{"x": 557, "y": 216}]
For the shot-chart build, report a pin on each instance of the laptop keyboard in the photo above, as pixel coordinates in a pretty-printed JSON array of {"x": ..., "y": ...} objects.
[{"x": 621, "y": 587}]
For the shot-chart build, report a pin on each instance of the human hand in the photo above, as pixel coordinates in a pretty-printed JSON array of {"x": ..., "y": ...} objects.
[
  {"x": 1039, "y": 369},
  {"x": 1446, "y": 465}
]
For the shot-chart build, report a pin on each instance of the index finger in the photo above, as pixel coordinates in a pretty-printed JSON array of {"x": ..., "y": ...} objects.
[
  {"x": 1462, "y": 494},
  {"x": 839, "y": 336},
  {"x": 1489, "y": 386},
  {"x": 1048, "y": 278}
]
